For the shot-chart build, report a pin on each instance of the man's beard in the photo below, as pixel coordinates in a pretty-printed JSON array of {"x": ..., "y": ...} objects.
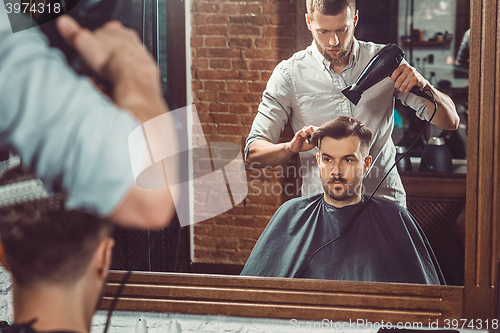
[
  {"x": 347, "y": 192},
  {"x": 339, "y": 57}
]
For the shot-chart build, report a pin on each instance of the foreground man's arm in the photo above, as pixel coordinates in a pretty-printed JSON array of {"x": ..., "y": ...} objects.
[{"x": 116, "y": 54}]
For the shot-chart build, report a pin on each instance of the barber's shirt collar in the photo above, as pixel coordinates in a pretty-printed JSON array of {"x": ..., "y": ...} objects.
[{"x": 353, "y": 57}]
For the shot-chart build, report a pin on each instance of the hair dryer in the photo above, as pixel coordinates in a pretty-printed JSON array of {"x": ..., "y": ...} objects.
[{"x": 380, "y": 66}]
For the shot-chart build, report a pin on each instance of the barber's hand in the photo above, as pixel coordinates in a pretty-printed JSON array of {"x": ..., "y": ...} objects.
[
  {"x": 406, "y": 77},
  {"x": 298, "y": 143}
]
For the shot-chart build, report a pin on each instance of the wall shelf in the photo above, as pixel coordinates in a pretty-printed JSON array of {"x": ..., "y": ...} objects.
[{"x": 428, "y": 43}]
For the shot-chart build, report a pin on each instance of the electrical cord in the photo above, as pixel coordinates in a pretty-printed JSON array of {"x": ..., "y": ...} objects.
[
  {"x": 143, "y": 255},
  {"x": 365, "y": 204},
  {"x": 138, "y": 260},
  {"x": 115, "y": 299}
]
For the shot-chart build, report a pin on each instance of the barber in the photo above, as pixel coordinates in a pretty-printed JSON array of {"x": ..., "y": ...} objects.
[
  {"x": 306, "y": 89},
  {"x": 66, "y": 131}
]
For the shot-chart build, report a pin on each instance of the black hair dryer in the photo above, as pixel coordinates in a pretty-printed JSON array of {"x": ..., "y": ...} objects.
[{"x": 380, "y": 66}]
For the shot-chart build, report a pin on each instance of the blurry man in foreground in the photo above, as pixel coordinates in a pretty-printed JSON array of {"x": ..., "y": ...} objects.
[
  {"x": 59, "y": 259},
  {"x": 315, "y": 237},
  {"x": 67, "y": 132}
]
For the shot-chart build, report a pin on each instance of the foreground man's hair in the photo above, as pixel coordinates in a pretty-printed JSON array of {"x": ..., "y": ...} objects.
[{"x": 42, "y": 241}]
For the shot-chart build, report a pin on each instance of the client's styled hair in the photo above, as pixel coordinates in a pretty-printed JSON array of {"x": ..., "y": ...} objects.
[
  {"x": 329, "y": 7},
  {"x": 341, "y": 128},
  {"x": 42, "y": 240}
]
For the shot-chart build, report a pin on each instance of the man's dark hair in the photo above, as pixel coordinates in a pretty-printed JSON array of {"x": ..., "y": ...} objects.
[
  {"x": 341, "y": 128},
  {"x": 329, "y": 7},
  {"x": 44, "y": 242}
]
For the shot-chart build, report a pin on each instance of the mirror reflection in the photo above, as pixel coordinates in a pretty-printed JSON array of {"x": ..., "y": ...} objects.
[
  {"x": 232, "y": 60},
  {"x": 341, "y": 234}
]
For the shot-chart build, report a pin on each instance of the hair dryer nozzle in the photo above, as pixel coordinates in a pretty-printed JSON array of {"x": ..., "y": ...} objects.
[
  {"x": 380, "y": 66},
  {"x": 353, "y": 93}
]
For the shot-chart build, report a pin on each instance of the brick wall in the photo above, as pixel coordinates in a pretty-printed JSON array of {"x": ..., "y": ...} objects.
[{"x": 235, "y": 45}]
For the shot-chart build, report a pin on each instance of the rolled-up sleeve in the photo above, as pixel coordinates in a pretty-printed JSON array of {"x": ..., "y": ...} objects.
[
  {"x": 413, "y": 101},
  {"x": 73, "y": 137},
  {"x": 274, "y": 110}
]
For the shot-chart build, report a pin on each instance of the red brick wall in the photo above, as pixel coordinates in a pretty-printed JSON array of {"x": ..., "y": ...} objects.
[{"x": 235, "y": 45}]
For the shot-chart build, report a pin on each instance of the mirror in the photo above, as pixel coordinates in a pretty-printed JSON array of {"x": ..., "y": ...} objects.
[
  {"x": 222, "y": 244},
  {"x": 443, "y": 301}
]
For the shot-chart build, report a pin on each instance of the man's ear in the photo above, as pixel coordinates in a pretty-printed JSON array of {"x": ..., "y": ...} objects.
[
  {"x": 104, "y": 253},
  {"x": 308, "y": 22},
  {"x": 318, "y": 158},
  {"x": 368, "y": 162},
  {"x": 3, "y": 260},
  {"x": 356, "y": 18}
]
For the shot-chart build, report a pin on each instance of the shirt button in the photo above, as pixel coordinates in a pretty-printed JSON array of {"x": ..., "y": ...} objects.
[
  {"x": 343, "y": 75},
  {"x": 344, "y": 97}
]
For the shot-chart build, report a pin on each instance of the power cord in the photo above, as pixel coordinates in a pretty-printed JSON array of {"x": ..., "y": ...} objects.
[{"x": 143, "y": 255}]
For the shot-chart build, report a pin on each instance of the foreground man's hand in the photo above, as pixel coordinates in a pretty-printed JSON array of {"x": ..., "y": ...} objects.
[{"x": 115, "y": 53}]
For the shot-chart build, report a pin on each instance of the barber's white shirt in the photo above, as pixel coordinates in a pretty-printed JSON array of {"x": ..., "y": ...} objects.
[
  {"x": 305, "y": 90},
  {"x": 68, "y": 133}
]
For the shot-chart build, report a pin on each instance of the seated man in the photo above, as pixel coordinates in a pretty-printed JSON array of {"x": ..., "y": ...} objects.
[
  {"x": 317, "y": 237},
  {"x": 58, "y": 268}
]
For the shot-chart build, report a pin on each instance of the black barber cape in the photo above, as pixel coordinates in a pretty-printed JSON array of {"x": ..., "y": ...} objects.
[{"x": 384, "y": 244}]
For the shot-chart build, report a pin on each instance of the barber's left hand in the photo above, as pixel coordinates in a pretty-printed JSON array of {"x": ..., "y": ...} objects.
[{"x": 406, "y": 77}]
